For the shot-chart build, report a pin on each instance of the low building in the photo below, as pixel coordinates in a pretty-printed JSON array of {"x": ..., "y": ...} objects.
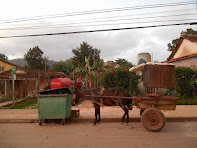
[
  {"x": 28, "y": 81},
  {"x": 185, "y": 52},
  {"x": 5, "y": 65},
  {"x": 110, "y": 64}
]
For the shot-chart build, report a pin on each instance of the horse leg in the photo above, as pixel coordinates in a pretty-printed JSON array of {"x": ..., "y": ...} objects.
[
  {"x": 99, "y": 114},
  {"x": 97, "y": 107},
  {"x": 123, "y": 117},
  {"x": 127, "y": 111}
]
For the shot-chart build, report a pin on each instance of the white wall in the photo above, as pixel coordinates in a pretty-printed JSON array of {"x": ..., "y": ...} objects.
[
  {"x": 187, "y": 62},
  {"x": 186, "y": 48}
]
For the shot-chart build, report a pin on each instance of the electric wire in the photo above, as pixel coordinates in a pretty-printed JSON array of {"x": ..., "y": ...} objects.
[
  {"x": 88, "y": 22},
  {"x": 100, "y": 30},
  {"x": 97, "y": 12}
]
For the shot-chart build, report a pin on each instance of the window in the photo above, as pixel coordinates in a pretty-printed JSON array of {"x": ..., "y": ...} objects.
[{"x": 2, "y": 69}]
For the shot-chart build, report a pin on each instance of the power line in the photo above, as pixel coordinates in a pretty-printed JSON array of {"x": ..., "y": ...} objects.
[
  {"x": 67, "y": 25},
  {"x": 97, "y": 12},
  {"x": 140, "y": 14},
  {"x": 101, "y": 30}
]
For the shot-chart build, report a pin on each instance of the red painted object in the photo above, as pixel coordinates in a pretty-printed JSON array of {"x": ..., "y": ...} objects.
[
  {"x": 78, "y": 83},
  {"x": 60, "y": 82}
]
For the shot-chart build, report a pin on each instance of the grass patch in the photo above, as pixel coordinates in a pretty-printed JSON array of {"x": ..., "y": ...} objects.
[
  {"x": 183, "y": 101},
  {"x": 23, "y": 105}
]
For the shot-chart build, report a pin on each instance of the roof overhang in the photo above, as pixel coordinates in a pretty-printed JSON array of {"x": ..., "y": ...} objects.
[{"x": 141, "y": 66}]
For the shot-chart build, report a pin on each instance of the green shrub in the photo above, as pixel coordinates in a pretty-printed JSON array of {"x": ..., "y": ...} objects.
[
  {"x": 120, "y": 77},
  {"x": 24, "y": 104},
  {"x": 191, "y": 101},
  {"x": 185, "y": 82},
  {"x": 47, "y": 87}
]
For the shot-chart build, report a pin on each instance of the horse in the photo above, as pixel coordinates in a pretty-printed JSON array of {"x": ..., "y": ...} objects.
[{"x": 125, "y": 104}]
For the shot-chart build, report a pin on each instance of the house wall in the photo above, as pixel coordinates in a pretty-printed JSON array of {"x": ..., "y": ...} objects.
[
  {"x": 186, "y": 48},
  {"x": 42, "y": 84},
  {"x": 110, "y": 63},
  {"x": 21, "y": 88},
  {"x": 191, "y": 62},
  {"x": 6, "y": 65}
]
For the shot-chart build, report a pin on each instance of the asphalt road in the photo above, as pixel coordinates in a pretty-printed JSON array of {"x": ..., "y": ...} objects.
[{"x": 103, "y": 135}]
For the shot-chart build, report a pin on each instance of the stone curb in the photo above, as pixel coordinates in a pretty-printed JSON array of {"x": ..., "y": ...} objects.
[{"x": 107, "y": 120}]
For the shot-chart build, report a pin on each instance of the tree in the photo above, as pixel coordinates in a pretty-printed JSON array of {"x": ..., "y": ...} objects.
[
  {"x": 92, "y": 71},
  {"x": 83, "y": 51},
  {"x": 189, "y": 31},
  {"x": 34, "y": 58},
  {"x": 3, "y": 56},
  {"x": 63, "y": 66},
  {"x": 122, "y": 62},
  {"x": 87, "y": 63}
]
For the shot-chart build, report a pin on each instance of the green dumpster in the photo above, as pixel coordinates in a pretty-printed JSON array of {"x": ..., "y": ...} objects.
[{"x": 54, "y": 106}]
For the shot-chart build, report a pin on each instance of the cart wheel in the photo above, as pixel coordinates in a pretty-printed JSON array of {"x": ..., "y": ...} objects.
[
  {"x": 141, "y": 111},
  {"x": 63, "y": 122},
  {"x": 153, "y": 119},
  {"x": 40, "y": 122}
]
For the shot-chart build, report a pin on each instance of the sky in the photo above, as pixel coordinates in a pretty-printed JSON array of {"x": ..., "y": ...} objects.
[{"x": 24, "y": 17}]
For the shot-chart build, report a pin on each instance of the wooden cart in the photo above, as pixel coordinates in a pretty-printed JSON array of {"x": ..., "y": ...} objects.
[
  {"x": 150, "y": 109},
  {"x": 155, "y": 77}
]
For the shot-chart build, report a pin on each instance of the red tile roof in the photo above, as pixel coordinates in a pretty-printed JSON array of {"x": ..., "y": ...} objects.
[
  {"x": 182, "y": 58},
  {"x": 32, "y": 73},
  {"x": 8, "y": 62},
  {"x": 192, "y": 38}
]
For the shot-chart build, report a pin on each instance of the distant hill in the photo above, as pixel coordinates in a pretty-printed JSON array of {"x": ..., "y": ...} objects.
[{"x": 21, "y": 62}]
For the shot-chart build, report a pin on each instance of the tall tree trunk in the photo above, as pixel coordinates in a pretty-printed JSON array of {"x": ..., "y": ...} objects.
[{"x": 90, "y": 82}]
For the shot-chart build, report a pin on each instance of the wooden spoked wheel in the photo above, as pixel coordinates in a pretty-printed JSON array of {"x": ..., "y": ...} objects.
[{"x": 153, "y": 119}]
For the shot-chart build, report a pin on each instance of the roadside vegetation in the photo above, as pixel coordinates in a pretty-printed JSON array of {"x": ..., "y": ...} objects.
[
  {"x": 120, "y": 77},
  {"x": 25, "y": 104},
  {"x": 183, "y": 101},
  {"x": 186, "y": 85}
]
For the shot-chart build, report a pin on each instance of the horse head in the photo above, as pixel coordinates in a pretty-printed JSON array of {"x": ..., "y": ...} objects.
[{"x": 77, "y": 94}]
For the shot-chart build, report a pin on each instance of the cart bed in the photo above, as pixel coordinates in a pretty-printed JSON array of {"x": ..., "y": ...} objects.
[{"x": 159, "y": 102}]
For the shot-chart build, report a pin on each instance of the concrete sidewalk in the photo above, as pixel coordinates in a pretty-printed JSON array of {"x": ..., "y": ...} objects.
[{"x": 108, "y": 114}]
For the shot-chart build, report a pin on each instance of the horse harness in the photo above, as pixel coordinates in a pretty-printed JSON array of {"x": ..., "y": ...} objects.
[
  {"x": 94, "y": 101},
  {"x": 100, "y": 102}
]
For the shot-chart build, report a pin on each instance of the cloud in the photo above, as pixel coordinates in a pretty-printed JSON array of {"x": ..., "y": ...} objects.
[{"x": 113, "y": 44}]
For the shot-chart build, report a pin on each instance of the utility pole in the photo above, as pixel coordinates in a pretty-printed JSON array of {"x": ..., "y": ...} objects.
[
  {"x": 45, "y": 68},
  {"x": 13, "y": 79}
]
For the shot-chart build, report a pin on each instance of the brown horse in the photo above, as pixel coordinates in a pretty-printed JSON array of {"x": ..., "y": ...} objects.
[{"x": 125, "y": 104}]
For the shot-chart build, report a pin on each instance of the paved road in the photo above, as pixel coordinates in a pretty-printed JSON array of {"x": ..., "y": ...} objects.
[
  {"x": 87, "y": 112},
  {"x": 105, "y": 135}
]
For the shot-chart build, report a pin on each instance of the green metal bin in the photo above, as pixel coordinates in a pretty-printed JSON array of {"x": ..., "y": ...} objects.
[{"x": 54, "y": 106}]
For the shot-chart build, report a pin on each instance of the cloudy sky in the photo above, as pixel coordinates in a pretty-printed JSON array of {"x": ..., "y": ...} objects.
[{"x": 24, "y": 17}]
